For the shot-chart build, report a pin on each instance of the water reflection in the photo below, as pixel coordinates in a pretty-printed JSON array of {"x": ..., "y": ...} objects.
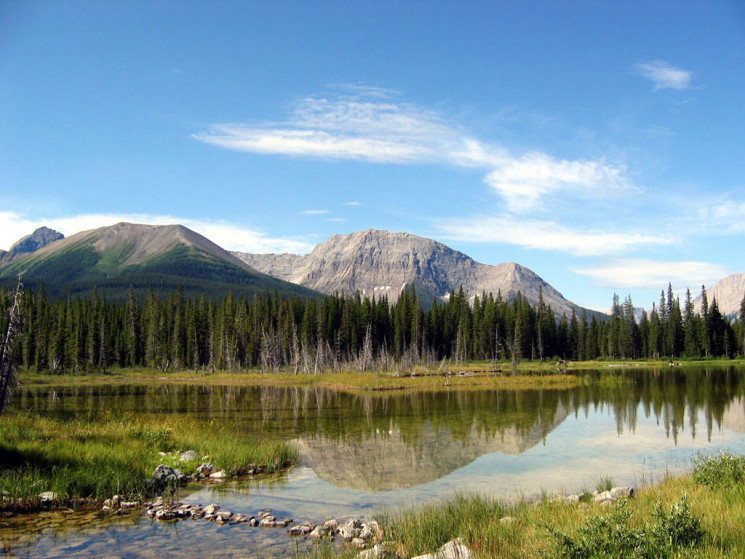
[
  {"x": 384, "y": 442},
  {"x": 361, "y": 453}
]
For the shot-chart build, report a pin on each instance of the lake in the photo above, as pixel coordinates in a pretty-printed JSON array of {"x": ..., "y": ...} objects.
[{"x": 360, "y": 454}]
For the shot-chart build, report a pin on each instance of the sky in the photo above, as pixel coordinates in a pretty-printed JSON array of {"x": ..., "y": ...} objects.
[{"x": 599, "y": 144}]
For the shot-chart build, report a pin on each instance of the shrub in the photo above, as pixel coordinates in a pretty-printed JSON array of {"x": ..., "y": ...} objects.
[
  {"x": 613, "y": 535},
  {"x": 723, "y": 469}
]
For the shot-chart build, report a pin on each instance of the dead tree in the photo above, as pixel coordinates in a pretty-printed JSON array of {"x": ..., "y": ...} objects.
[{"x": 7, "y": 370}]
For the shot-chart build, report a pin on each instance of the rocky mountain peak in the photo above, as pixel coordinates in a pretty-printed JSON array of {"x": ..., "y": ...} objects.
[
  {"x": 381, "y": 263},
  {"x": 33, "y": 242}
]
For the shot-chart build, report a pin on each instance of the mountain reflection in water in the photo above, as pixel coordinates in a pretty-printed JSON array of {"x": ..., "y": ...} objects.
[{"x": 391, "y": 441}]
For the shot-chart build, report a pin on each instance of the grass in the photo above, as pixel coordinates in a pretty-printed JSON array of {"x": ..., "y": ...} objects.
[
  {"x": 85, "y": 460},
  {"x": 476, "y": 374},
  {"x": 479, "y": 376},
  {"x": 684, "y": 516}
]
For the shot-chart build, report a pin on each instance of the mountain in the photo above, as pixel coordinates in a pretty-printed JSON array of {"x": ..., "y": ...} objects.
[
  {"x": 158, "y": 256},
  {"x": 379, "y": 263},
  {"x": 30, "y": 243},
  {"x": 729, "y": 294}
]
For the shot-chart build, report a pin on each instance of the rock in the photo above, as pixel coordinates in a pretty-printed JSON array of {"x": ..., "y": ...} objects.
[
  {"x": 239, "y": 519},
  {"x": 253, "y": 521},
  {"x": 347, "y": 533},
  {"x": 205, "y": 468},
  {"x": 106, "y": 508},
  {"x": 320, "y": 532},
  {"x": 377, "y": 552},
  {"x": 301, "y": 529},
  {"x": 128, "y": 504},
  {"x": 349, "y": 530},
  {"x": 268, "y": 522},
  {"x": 218, "y": 475},
  {"x": 223, "y": 516},
  {"x": 165, "y": 515},
  {"x": 165, "y": 475},
  {"x": 622, "y": 492},
  {"x": 604, "y": 497},
  {"x": 211, "y": 509},
  {"x": 188, "y": 456},
  {"x": 454, "y": 549},
  {"x": 371, "y": 532},
  {"x": 610, "y": 497},
  {"x": 507, "y": 520},
  {"x": 47, "y": 497},
  {"x": 332, "y": 524}
]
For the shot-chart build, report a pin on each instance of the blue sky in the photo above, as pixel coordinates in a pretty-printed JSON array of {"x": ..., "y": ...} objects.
[{"x": 598, "y": 143}]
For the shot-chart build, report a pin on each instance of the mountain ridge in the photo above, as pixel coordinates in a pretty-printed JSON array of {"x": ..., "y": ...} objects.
[
  {"x": 124, "y": 254},
  {"x": 377, "y": 262}
]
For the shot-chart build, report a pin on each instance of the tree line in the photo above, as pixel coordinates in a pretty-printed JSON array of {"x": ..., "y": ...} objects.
[{"x": 75, "y": 335}]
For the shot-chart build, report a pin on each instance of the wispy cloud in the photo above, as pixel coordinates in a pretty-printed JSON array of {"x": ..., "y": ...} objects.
[
  {"x": 353, "y": 203},
  {"x": 370, "y": 127},
  {"x": 726, "y": 215},
  {"x": 230, "y": 236},
  {"x": 664, "y": 76},
  {"x": 524, "y": 182},
  {"x": 645, "y": 273},
  {"x": 345, "y": 127},
  {"x": 335, "y": 219},
  {"x": 314, "y": 212},
  {"x": 546, "y": 235}
]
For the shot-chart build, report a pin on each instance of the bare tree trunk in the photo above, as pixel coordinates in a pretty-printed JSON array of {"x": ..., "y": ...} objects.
[{"x": 7, "y": 376}]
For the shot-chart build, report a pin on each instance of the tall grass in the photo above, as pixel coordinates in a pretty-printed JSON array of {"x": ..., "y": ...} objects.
[
  {"x": 91, "y": 458},
  {"x": 685, "y": 516}
]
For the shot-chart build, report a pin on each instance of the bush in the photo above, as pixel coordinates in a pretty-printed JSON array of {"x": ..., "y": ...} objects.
[
  {"x": 612, "y": 535},
  {"x": 723, "y": 469}
]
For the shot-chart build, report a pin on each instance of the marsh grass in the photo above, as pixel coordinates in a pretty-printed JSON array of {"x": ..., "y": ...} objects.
[
  {"x": 89, "y": 459},
  {"x": 678, "y": 517}
]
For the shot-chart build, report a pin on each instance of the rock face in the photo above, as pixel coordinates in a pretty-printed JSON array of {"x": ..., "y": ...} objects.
[
  {"x": 31, "y": 243},
  {"x": 728, "y": 293},
  {"x": 378, "y": 263},
  {"x": 39, "y": 238}
]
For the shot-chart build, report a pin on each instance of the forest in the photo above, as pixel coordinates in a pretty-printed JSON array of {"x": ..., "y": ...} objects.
[{"x": 306, "y": 335}]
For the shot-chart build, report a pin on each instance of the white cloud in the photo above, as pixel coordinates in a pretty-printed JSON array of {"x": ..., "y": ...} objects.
[
  {"x": 369, "y": 127},
  {"x": 664, "y": 76},
  {"x": 641, "y": 272},
  {"x": 345, "y": 127},
  {"x": 546, "y": 235},
  {"x": 524, "y": 182},
  {"x": 314, "y": 212},
  {"x": 335, "y": 219},
  {"x": 230, "y": 236},
  {"x": 353, "y": 203}
]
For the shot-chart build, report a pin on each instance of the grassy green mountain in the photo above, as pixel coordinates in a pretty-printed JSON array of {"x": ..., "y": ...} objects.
[{"x": 142, "y": 256}]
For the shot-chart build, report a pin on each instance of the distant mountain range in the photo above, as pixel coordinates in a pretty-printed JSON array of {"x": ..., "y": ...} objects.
[
  {"x": 142, "y": 256},
  {"x": 373, "y": 262},
  {"x": 377, "y": 263}
]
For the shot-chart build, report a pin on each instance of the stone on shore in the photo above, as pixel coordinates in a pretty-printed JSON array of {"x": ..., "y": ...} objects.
[
  {"x": 454, "y": 549},
  {"x": 612, "y": 496},
  {"x": 188, "y": 456}
]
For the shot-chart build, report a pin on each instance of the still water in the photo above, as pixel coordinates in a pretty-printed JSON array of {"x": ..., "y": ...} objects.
[{"x": 360, "y": 454}]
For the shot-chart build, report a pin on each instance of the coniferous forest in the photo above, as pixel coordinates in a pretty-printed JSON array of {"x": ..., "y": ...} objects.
[{"x": 77, "y": 335}]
